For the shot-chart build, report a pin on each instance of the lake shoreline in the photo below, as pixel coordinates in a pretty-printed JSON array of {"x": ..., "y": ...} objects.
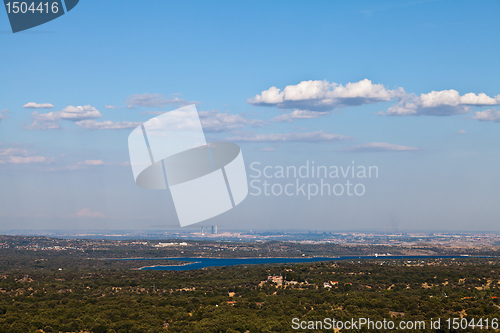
[{"x": 205, "y": 262}]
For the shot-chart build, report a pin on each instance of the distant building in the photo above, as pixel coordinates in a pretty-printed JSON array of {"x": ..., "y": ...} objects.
[
  {"x": 329, "y": 284},
  {"x": 394, "y": 314},
  {"x": 209, "y": 229},
  {"x": 171, "y": 244},
  {"x": 278, "y": 279}
]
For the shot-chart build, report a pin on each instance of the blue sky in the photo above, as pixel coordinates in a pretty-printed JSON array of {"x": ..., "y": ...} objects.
[{"x": 383, "y": 83}]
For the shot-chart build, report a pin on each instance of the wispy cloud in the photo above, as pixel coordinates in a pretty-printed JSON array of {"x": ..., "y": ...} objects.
[
  {"x": 266, "y": 149},
  {"x": 83, "y": 116},
  {"x": 16, "y": 155},
  {"x": 92, "y": 162},
  {"x": 106, "y": 125},
  {"x": 215, "y": 121},
  {"x": 324, "y": 96},
  {"x": 317, "y": 136},
  {"x": 32, "y": 105},
  {"x": 488, "y": 115},
  {"x": 112, "y": 107},
  {"x": 47, "y": 121},
  {"x": 86, "y": 212},
  {"x": 86, "y": 165},
  {"x": 298, "y": 114},
  {"x": 4, "y": 114},
  {"x": 152, "y": 113},
  {"x": 156, "y": 101},
  {"x": 376, "y": 147}
]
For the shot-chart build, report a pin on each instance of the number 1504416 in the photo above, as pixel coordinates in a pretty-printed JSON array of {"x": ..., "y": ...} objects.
[{"x": 27, "y": 7}]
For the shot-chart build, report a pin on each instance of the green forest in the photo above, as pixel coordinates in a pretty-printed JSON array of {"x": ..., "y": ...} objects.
[{"x": 55, "y": 291}]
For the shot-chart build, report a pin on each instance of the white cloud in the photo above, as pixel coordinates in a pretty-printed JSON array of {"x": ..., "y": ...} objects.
[
  {"x": 480, "y": 99},
  {"x": 440, "y": 103},
  {"x": 377, "y": 147},
  {"x": 215, "y": 121},
  {"x": 298, "y": 114},
  {"x": 112, "y": 107},
  {"x": 461, "y": 132},
  {"x": 317, "y": 136},
  {"x": 88, "y": 213},
  {"x": 83, "y": 116},
  {"x": 156, "y": 101},
  {"x": 324, "y": 96},
  {"x": 15, "y": 155},
  {"x": 106, "y": 125},
  {"x": 76, "y": 113},
  {"x": 488, "y": 115},
  {"x": 33, "y": 105},
  {"x": 47, "y": 121}
]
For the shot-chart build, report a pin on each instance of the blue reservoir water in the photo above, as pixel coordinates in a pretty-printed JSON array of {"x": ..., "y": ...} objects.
[{"x": 198, "y": 263}]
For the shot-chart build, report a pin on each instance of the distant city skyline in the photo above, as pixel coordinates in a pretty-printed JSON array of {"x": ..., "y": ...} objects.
[{"x": 412, "y": 89}]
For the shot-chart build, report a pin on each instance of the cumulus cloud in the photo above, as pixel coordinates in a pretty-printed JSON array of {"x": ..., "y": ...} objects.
[
  {"x": 76, "y": 113},
  {"x": 47, "y": 121},
  {"x": 488, "y": 115},
  {"x": 298, "y": 114},
  {"x": 156, "y": 101},
  {"x": 16, "y": 155},
  {"x": 88, "y": 213},
  {"x": 33, "y": 105},
  {"x": 317, "y": 136},
  {"x": 106, "y": 125},
  {"x": 215, "y": 121},
  {"x": 324, "y": 96},
  {"x": 375, "y": 147},
  {"x": 440, "y": 103}
]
